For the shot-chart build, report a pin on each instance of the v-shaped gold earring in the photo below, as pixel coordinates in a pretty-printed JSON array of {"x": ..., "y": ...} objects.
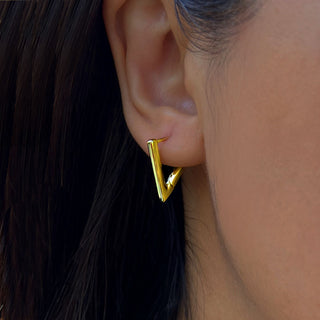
[{"x": 164, "y": 188}]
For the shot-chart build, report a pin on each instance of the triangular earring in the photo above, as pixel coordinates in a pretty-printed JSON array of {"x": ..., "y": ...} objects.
[{"x": 164, "y": 188}]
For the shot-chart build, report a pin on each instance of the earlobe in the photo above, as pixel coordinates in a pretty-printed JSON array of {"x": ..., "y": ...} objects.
[{"x": 150, "y": 68}]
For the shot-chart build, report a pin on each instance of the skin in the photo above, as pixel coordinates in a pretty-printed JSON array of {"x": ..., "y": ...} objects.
[
  {"x": 263, "y": 155},
  {"x": 249, "y": 138}
]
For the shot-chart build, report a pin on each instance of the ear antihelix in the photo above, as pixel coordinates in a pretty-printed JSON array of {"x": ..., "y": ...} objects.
[{"x": 164, "y": 188}]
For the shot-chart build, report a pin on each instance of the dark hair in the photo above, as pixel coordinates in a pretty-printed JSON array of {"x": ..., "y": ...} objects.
[
  {"x": 210, "y": 25},
  {"x": 82, "y": 233}
]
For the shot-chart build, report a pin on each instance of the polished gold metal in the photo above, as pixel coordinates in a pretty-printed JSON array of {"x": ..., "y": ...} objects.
[{"x": 164, "y": 188}]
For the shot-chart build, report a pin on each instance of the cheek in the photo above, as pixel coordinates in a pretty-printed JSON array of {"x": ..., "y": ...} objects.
[
  {"x": 263, "y": 155},
  {"x": 267, "y": 183}
]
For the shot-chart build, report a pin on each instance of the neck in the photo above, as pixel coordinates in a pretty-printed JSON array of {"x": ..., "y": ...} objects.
[{"x": 214, "y": 288}]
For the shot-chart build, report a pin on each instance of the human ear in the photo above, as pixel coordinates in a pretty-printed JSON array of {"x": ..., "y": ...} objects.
[{"x": 144, "y": 38}]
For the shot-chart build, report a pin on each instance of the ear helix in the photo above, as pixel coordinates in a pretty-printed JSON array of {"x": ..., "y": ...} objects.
[{"x": 164, "y": 188}]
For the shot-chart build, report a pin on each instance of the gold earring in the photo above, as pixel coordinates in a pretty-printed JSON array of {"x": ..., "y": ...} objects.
[{"x": 164, "y": 188}]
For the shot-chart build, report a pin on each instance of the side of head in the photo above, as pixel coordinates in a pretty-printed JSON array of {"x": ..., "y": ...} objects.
[{"x": 235, "y": 86}]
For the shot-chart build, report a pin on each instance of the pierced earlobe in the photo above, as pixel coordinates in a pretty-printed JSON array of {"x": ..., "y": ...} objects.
[{"x": 164, "y": 188}]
